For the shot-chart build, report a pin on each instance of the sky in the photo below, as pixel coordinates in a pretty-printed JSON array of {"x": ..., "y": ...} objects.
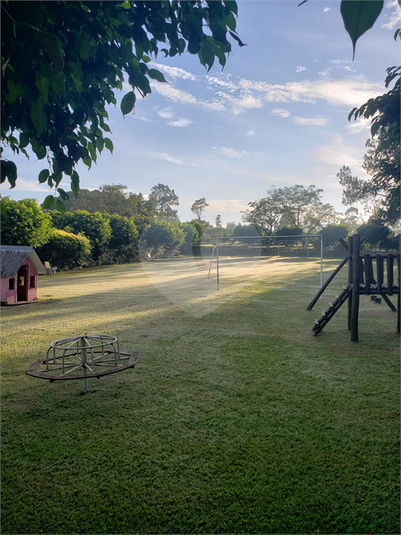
[{"x": 277, "y": 115}]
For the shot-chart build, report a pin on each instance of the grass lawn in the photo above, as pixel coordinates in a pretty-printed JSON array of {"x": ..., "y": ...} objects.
[{"x": 235, "y": 420}]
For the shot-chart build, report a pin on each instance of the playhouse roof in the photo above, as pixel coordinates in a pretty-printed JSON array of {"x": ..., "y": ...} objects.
[{"x": 13, "y": 256}]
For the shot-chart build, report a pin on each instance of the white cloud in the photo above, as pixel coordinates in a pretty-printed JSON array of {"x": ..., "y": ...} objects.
[
  {"x": 338, "y": 152},
  {"x": 311, "y": 121},
  {"x": 165, "y": 156},
  {"x": 174, "y": 72},
  {"x": 180, "y": 122},
  {"x": 223, "y": 206},
  {"x": 280, "y": 112},
  {"x": 300, "y": 69},
  {"x": 250, "y": 133},
  {"x": 237, "y": 95},
  {"x": 326, "y": 9},
  {"x": 175, "y": 95},
  {"x": 166, "y": 113},
  {"x": 358, "y": 126},
  {"x": 395, "y": 16},
  {"x": 27, "y": 185},
  {"x": 230, "y": 152}
]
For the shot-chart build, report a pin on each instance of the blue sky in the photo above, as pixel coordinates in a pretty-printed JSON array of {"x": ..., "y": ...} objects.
[{"x": 276, "y": 115}]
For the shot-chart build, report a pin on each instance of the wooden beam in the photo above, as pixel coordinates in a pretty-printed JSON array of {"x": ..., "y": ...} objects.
[
  {"x": 322, "y": 289},
  {"x": 355, "y": 287}
]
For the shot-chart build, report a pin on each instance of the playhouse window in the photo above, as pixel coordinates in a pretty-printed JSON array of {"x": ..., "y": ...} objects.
[
  {"x": 33, "y": 281},
  {"x": 11, "y": 284}
]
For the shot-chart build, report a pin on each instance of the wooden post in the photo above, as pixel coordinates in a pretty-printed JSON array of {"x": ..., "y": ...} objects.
[
  {"x": 350, "y": 264},
  {"x": 368, "y": 272},
  {"x": 324, "y": 286},
  {"x": 399, "y": 284},
  {"x": 355, "y": 287},
  {"x": 380, "y": 265},
  {"x": 390, "y": 273}
]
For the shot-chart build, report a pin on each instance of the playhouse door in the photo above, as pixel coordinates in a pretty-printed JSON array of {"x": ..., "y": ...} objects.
[{"x": 22, "y": 291}]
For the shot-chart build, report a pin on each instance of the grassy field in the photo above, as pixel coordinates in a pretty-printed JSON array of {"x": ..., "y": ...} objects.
[{"x": 235, "y": 420}]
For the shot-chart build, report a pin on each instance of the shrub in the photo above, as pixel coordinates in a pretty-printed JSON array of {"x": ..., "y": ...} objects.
[
  {"x": 162, "y": 238},
  {"x": 24, "y": 223},
  {"x": 66, "y": 250}
]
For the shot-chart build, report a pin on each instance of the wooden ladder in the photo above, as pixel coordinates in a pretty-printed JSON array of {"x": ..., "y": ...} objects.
[{"x": 333, "y": 307}]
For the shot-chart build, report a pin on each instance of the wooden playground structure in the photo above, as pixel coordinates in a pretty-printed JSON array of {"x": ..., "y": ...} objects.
[{"x": 369, "y": 273}]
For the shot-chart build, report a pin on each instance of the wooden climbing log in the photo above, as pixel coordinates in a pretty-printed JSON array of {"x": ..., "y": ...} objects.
[
  {"x": 399, "y": 285},
  {"x": 380, "y": 264},
  {"x": 390, "y": 273},
  {"x": 356, "y": 259},
  {"x": 322, "y": 289},
  {"x": 367, "y": 260},
  {"x": 350, "y": 271}
]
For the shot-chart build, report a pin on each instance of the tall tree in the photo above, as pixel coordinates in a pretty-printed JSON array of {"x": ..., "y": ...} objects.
[
  {"x": 62, "y": 62},
  {"x": 265, "y": 213},
  {"x": 164, "y": 198},
  {"x": 294, "y": 206},
  {"x": 382, "y": 159},
  {"x": 199, "y": 207}
]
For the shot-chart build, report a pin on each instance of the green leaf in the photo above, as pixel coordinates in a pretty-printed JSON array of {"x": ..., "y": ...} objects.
[
  {"x": 92, "y": 151},
  {"x": 99, "y": 143},
  {"x": 234, "y": 36},
  {"x": 157, "y": 75},
  {"x": 43, "y": 176},
  {"x": 23, "y": 139},
  {"x": 232, "y": 6},
  {"x": 39, "y": 117},
  {"x": 359, "y": 16},
  {"x": 206, "y": 56},
  {"x": 48, "y": 202},
  {"x": 108, "y": 144},
  {"x": 52, "y": 46},
  {"x": 75, "y": 183},
  {"x": 63, "y": 194},
  {"x": 128, "y": 102},
  {"x": 9, "y": 172},
  {"x": 60, "y": 206},
  {"x": 142, "y": 82}
]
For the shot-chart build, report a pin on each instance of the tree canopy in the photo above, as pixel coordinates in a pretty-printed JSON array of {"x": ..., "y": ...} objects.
[
  {"x": 199, "y": 207},
  {"x": 382, "y": 159},
  {"x": 294, "y": 206},
  {"x": 164, "y": 198},
  {"x": 63, "y": 61}
]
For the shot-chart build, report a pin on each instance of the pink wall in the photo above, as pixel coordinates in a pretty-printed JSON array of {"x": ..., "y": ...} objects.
[{"x": 10, "y": 296}]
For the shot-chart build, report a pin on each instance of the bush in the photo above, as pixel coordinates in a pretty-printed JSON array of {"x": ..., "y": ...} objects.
[
  {"x": 333, "y": 233},
  {"x": 95, "y": 226},
  {"x": 123, "y": 243},
  {"x": 65, "y": 250},
  {"x": 24, "y": 223},
  {"x": 162, "y": 238},
  {"x": 376, "y": 236}
]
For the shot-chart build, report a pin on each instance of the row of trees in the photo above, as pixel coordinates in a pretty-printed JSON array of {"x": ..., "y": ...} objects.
[{"x": 103, "y": 226}]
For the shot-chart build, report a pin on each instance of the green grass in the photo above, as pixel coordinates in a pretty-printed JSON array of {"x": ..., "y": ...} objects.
[{"x": 235, "y": 419}]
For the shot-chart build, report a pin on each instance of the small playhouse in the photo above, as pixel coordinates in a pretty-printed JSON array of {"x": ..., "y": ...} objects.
[{"x": 20, "y": 267}]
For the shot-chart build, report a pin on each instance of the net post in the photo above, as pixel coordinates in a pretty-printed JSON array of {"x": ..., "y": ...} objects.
[
  {"x": 218, "y": 265},
  {"x": 321, "y": 261}
]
